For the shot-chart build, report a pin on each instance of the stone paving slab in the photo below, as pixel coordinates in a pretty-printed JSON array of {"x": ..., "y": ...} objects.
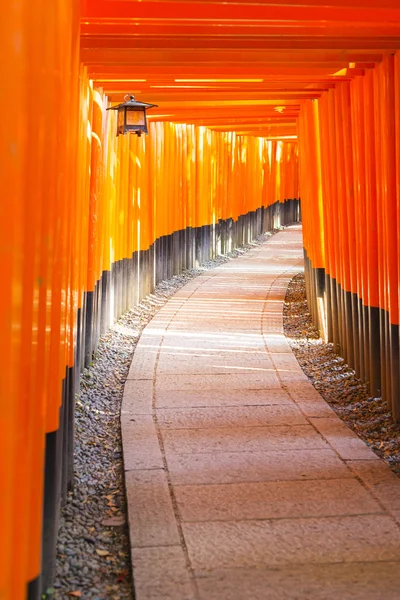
[
  {"x": 141, "y": 444},
  {"x": 242, "y": 483},
  {"x": 355, "y": 581},
  {"x": 235, "y": 467},
  {"x": 138, "y": 397},
  {"x": 219, "y": 381},
  {"x": 311, "y": 408},
  {"x": 276, "y": 342},
  {"x": 380, "y": 480},
  {"x": 274, "y": 500},
  {"x": 230, "y": 416},
  {"x": 342, "y": 439},
  {"x": 161, "y": 572},
  {"x": 242, "y": 439},
  {"x": 283, "y": 542},
  {"x": 151, "y": 514},
  {"x": 214, "y": 341},
  {"x": 195, "y": 364},
  {"x": 244, "y": 397}
]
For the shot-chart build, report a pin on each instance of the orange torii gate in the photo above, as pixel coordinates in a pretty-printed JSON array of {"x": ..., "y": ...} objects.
[{"x": 246, "y": 90}]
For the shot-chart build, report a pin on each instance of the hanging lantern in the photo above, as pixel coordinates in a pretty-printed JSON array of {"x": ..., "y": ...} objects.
[{"x": 132, "y": 116}]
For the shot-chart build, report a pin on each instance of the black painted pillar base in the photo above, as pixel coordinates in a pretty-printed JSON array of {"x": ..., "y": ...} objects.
[
  {"x": 175, "y": 253},
  {"x": 383, "y": 349},
  {"x": 229, "y": 235},
  {"x": 329, "y": 312},
  {"x": 113, "y": 310},
  {"x": 34, "y": 589},
  {"x": 71, "y": 377},
  {"x": 356, "y": 333},
  {"x": 83, "y": 334},
  {"x": 139, "y": 274},
  {"x": 169, "y": 248},
  {"x": 366, "y": 343},
  {"x": 158, "y": 258},
  {"x": 374, "y": 354},
  {"x": 98, "y": 308},
  {"x": 88, "y": 328},
  {"x": 394, "y": 367},
  {"x": 206, "y": 243},
  {"x": 334, "y": 314},
  {"x": 105, "y": 305},
  {"x": 52, "y": 501},
  {"x": 388, "y": 360},
  {"x": 79, "y": 343},
  {"x": 360, "y": 349},
  {"x": 182, "y": 249},
  {"x": 152, "y": 280},
  {"x": 136, "y": 276},
  {"x": 219, "y": 237},
  {"x": 191, "y": 248},
  {"x": 341, "y": 325},
  {"x": 124, "y": 286},
  {"x": 198, "y": 246},
  {"x": 321, "y": 301},
  {"x": 148, "y": 273}
]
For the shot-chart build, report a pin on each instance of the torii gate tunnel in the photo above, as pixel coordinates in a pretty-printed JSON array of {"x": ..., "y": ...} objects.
[{"x": 259, "y": 103}]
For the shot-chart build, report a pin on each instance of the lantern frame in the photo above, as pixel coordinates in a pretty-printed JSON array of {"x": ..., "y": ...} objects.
[{"x": 131, "y": 107}]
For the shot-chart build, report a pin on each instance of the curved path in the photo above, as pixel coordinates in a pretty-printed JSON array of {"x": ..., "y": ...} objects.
[{"x": 242, "y": 483}]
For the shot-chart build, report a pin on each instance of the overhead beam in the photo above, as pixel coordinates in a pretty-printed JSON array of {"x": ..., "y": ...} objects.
[
  {"x": 266, "y": 58},
  {"x": 138, "y": 12},
  {"x": 243, "y": 65}
]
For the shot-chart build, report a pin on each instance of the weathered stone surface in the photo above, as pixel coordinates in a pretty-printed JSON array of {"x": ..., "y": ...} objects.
[
  {"x": 277, "y": 465},
  {"x": 197, "y": 398},
  {"x": 151, "y": 515},
  {"x": 242, "y": 482},
  {"x": 274, "y": 500},
  {"x": 342, "y": 439},
  {"x": 137, "y": 398},
  {"x": 161, "y": 573},
  {"x": 141, "y": 445},
  {"x": 355, "y": 581},
  {"x": 242, "y": 439},
  {"x": 382, "y": 482},
  {"x": 283, "y": 542},
  {"x": 229, "y": 416},
  {"x": 229, "y": 381}
]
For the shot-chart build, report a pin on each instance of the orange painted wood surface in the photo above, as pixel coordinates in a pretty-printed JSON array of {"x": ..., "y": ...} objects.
[{"x": 258, "y": 102}]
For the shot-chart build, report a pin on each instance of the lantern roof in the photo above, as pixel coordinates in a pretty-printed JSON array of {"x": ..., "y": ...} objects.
[{"x": 132, "y": 103}]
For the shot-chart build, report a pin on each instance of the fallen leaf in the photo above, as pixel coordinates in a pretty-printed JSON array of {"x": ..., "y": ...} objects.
[
  {"x": 76, "y": 594},
  {"x": 114, "y": 522},
  {"x": 111, "y": 496},
  {"x": 102, "y": 552}
]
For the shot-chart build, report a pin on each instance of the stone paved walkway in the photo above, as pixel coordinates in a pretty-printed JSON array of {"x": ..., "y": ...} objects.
[{"x": 242, "y": 483}]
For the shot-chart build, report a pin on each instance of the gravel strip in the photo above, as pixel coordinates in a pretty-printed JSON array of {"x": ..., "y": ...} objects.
[
  {"x": 337, "y": 383},
  {"x": 93, "y": 559}
]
